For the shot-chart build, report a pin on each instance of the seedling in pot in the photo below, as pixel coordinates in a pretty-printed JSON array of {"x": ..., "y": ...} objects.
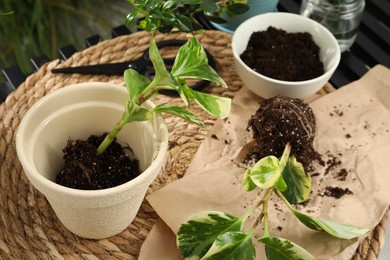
[
  {"x": 190, "y": 63},
  {"x": 218, "y": 235}
]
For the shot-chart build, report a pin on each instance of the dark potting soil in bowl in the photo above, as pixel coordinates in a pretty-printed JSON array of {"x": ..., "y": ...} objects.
[
  {"x": 85, "y": 170},
  {"x": 281, "y": 120},
  {"x": 280, "y": 55}
]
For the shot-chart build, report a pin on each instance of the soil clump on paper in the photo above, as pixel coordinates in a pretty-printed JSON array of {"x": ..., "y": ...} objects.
[{"x": 281, "y": 120}]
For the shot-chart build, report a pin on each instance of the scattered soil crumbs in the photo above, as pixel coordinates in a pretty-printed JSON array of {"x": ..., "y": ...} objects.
[
  {"x": 332, "y": 163},
  {"x": 337, "y": 192},
  {"x": 281, "y": 120},
  {"x": 342, "y": 174},
  {"x": 85, "y": 170},
  {"x": 284, "y": 56}
]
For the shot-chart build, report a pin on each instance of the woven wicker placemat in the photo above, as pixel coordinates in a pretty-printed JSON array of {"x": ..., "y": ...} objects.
[{"x": 29, "y": 228}]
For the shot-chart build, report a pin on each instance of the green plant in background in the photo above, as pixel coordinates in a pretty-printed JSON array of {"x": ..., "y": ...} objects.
[
  {"x": 218, "y": 235},
  {"x": 38, "y": 27},
  {"x": 166, "y": 15}
]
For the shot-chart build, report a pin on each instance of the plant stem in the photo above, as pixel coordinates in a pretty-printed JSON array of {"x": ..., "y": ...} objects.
[
  {"x": 110, "y": 138},
  {"x": 281, "y": 196}
]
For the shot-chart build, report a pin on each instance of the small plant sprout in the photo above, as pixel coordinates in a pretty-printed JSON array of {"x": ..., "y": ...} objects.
[
  {"x": 218, "y": 235},
  {"x": 190, "y": 63}
]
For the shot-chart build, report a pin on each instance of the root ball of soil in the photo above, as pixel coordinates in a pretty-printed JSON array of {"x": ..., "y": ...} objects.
[{"x": 281, "y": 120}]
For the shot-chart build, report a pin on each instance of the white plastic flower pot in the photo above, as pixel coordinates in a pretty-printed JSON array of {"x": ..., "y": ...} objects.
[{"x": 76, "y": 112}]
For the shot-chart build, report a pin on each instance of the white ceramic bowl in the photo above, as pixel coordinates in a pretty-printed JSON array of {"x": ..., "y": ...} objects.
[{"x": 267, "y": 87}]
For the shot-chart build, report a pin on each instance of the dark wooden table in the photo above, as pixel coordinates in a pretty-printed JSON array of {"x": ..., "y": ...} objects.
[{"x": 372, "y": 47}]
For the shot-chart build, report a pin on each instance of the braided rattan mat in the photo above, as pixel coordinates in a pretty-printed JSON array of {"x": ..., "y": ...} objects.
[{"x": 29, "y": 228}]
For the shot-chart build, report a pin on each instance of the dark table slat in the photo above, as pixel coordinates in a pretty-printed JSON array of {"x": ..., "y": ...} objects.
[
  {"x": 289, "y": 6},
  {"x": 120, "y": 30},
  {"x": 37, "y": 62},
  {"x": 66, "y": 52},
  {"x": 92, "y": 40},
  {"x": 373, "y": 54},
  {"x": 14, "y": 76},
  {"x": 5, "y": 89}
]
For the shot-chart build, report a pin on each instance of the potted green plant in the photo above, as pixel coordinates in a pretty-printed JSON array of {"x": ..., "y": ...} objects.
[
  {"x": 219, "y": 235},
  {"x": 230, "y": 15},
  {"x": 78, "y": 111}
]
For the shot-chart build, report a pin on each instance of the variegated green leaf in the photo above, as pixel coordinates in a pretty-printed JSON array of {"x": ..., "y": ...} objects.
[
  {"x": 336, "y": 229},
  {"x": 134, "y": 113},
  {"x": 214, "y": 105},
  {"x": 277, "y": 248},
  {"x": 198, "y": 233},
  {"x": 178, "y": 111},
  {"x": 266, "y": 172},
  {"x": 232, "y": 245},
  {"x": 280, "y": 184},
  {"x": 298, "y": 182},
  {"x": 191, "y": 62},
  {"x": 162, "y": 75},
  {"x": 135, "y": 83},
  {"x": 247, "y": 181}
]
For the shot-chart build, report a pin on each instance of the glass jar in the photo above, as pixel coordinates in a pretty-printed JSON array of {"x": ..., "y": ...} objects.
[{"x": 341, "y": 17}]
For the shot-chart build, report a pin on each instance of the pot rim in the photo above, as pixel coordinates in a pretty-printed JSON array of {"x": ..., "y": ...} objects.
[{"x": 43, "y": 181}]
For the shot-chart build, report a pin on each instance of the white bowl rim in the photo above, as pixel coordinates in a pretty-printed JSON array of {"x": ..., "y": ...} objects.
[{"x": 284, "y": 82}]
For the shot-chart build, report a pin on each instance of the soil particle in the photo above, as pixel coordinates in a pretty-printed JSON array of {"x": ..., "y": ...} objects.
[
  {"x": 281, "y": 120},
  {"x": 342, "y": 174},
  {"x": 281, "y": 55},
  {"x": 336, "y": 192},
  {"x": 332, "y": 163},
  {"x": 85, "y": 170}
]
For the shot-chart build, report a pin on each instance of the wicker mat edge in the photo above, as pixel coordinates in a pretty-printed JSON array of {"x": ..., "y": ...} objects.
[{"x": 29, "y": 227}]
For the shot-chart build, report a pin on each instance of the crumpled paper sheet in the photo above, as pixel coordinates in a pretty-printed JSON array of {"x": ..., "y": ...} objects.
[{"x": 353, "y": 125}]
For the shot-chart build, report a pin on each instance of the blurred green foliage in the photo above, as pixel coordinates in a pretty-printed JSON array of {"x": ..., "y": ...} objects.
[{"x": 34, "y": 27}]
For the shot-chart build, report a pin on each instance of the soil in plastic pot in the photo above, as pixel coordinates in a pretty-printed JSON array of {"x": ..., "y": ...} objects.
[{"x": 84, "y": 169}]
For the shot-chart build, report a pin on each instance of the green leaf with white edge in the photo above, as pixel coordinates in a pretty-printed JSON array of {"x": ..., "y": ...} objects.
[
  {"x": 336, "y": 229},
  {"x": 298, "y": 182},
  {"x": 133, "y": 113},
  {"x": 198, "y": 233},
  {"x": 135, "y": 83},
  {"x": 178, "y": 111},
  {"x": 340, "y": 230},
  {"x": 232, "y": 245},
  {"x": 277, "y": 248},
  {"x": 214, "y": 105},
  {"x": 280, "y": 184},
  {"x": 249, "y": 185},
  {"x": 162, "y": 75},
  {"x": 266, "y": 172},
  {"x": 191, "y": 62}
]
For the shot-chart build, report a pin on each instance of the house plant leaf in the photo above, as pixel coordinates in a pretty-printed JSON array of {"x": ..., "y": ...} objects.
[
  {"x": 249, "y": 185},
  {"x": 214, "y": 105},
  {"x": 336, "y": 229},
  {"x": 279, "y": 248},
  {"x": 135, "y": 83},
  {"x": 198, "y": 233},
  {"x": 234, "y": 245},
  {"x": 191, "y": 62},
  {"x": 178, "y": 111},
  {"x": 298, "y": 182},
  {"x": 265, "y": 172}
]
